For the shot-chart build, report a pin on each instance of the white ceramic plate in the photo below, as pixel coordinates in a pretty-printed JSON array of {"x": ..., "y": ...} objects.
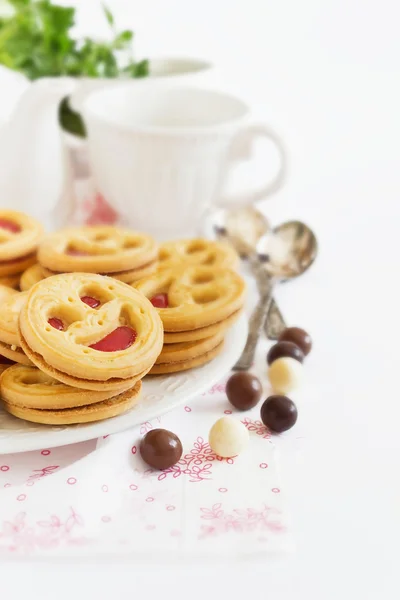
[{"x": 159, "y": 395}]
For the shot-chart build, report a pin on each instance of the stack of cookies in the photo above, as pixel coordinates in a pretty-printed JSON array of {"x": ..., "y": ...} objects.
[
  {"x": 19, "y": 239},
  {"x": 80, "y": 340},
  {"x": 91, "y": 340},
  {"x": 120, "y": 253},
  {"x": 197, "y": 305}
]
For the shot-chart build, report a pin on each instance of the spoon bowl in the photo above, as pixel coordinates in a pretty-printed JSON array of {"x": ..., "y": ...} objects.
[
  {"x": 243, "y": 227},
  {"x": 289, "y": 251}
]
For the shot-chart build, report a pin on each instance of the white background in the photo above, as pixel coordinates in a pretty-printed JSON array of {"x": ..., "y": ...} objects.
[{"x": 326, "y": 74}]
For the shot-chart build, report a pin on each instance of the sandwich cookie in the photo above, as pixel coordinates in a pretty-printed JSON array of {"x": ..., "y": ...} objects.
[
  {"x": 83, "y": 414},
  {"x": 90, "y": 331},
  {"x": 191, "y": 298},
  {"x": 31, "y": 388},
  {"x": 184, "y": 365},
  {"x": 107, "y": 250}
]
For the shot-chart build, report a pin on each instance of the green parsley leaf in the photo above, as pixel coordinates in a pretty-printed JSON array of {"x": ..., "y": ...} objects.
[{"x": 37, "y": 41}]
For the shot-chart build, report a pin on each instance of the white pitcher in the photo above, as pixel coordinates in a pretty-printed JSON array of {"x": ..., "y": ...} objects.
[
  {"x": 35, "y": 161},
  {"x": 32, "y": 169}
]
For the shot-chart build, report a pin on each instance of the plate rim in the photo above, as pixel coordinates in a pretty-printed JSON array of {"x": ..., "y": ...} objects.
[{"x": 238, "y": 331}]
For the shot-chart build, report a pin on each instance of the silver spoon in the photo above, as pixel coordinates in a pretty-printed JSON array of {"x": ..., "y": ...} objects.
[
  {"x": 243, "y": 228},
  {"x": 286, "y": 253}
]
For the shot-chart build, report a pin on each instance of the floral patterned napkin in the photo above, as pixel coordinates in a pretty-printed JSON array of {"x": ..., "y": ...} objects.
[{"x": 100, "y": 498}]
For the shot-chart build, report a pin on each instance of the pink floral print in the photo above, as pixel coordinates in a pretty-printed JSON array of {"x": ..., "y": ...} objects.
[
  {"x": 20, "y": 536},
  {"x": 39, "y": 473},
  {"x": 218, "y": 388},
  {"x": 239, "y": 520},
  {"x": 196, "y": 464},
  {"x": 257, "y": 427}
]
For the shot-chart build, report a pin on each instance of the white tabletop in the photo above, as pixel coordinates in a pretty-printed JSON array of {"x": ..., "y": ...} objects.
[{"x": 326, "y": 74}]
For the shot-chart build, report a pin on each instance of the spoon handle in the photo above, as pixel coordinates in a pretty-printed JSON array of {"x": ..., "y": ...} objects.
[
  {"x": 256, "y": 321},
  {"x": 274, "y": 322}
]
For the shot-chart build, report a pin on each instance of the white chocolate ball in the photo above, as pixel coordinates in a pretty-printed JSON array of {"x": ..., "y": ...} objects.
[
  {"x": 285, "y": 374},
  {"x": 228, "y": 437}
]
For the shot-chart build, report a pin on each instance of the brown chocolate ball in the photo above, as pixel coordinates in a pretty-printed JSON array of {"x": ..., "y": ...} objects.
[
  {"x": 278, "y": 413},
  {"x": 161, "y": 448},
  {"x": 243, "y": 390},
  {"x": 284, "y": 350},
  {"x": 297, "y": 336}
]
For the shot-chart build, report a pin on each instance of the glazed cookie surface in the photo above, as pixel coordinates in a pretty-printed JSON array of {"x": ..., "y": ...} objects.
[
  {"x": 90, "y": 327},
  {"x": 190, "y": 298},
  {"x": 197, "y": 251},
  {"x": 96, "y": 249}
]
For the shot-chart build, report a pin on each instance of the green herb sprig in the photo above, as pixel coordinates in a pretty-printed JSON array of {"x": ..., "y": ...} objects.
[{"x": 36, "y": 40}]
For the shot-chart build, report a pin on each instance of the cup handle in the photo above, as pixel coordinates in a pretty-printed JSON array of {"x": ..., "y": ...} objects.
[{"x": 240, "y": 149}]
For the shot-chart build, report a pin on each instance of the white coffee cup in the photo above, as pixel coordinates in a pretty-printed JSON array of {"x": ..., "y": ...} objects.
[
  {"x": 160, "y": 155},
  {"x": 177, "y": 70}
]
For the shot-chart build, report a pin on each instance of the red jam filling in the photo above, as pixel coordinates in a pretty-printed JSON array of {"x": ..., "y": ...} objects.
[
  {"x": 56, "y": 323},
  {"x": 73, "y": 252},
  {"x": 160, "y": 300},
  {"x": 90, "y": 301},
  {"x": 10, "y": 226},
  {"x": 119, "y": 339}
]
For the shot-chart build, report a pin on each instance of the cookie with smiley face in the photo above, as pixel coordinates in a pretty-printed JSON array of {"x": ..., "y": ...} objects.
[
  {"x": 90, "y": 331},
  {"x": 120, "y": 253},
  {"x": 19, "y": 239},
  {"x": 193, "y": 299}
]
